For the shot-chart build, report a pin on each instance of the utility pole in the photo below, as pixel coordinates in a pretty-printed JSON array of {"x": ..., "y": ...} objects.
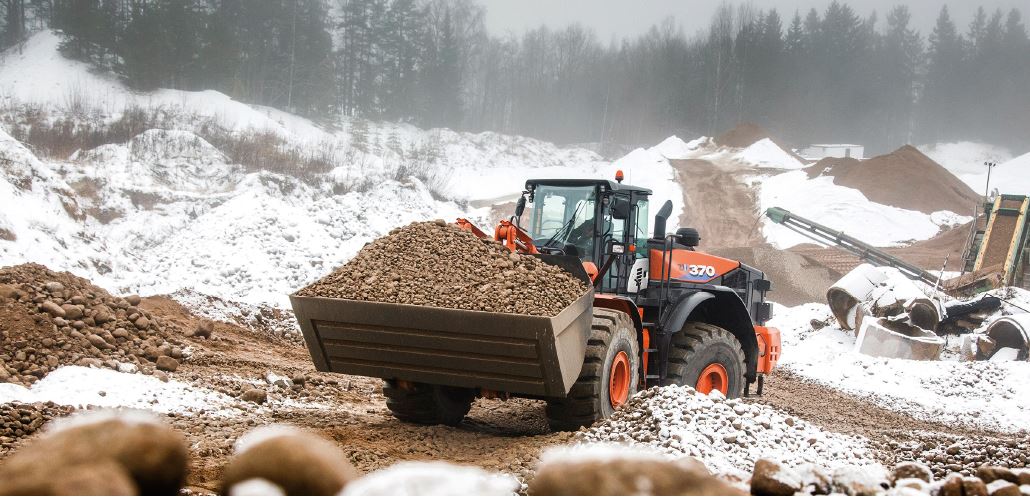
[
  {"x": 293, "y": 57},
  {"x": 987, "y": 190}
]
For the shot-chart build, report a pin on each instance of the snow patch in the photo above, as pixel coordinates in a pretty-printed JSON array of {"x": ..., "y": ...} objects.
[
  {"x": 81, "y": 387},
  {"x": 989, "y": 394},
  {"x": 766, "y": 154},
  {"x": 841, "y": 208},
  {"x": 434, "y": 479}
]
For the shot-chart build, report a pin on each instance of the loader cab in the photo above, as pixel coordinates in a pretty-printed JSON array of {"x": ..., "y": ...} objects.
[{"x": 592, "y": 220}]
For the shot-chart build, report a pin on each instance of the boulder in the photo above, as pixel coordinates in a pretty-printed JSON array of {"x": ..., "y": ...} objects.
[
  {"x": 1003, "y": 488},
  {"x": 915, "y": 470},
  {"x": 773, "y": 478},
  {"x": 298, "y": 462},
  {"x": 167, "y": 363},
  {"x": 629, "y": 473},
  {"x": 255, "y": 396},
  {"x": 152, "y": 454}
]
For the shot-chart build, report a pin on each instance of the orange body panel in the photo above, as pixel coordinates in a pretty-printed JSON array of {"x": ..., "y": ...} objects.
[
  {"x": 691, "y": 266},
  {"x": 768, "y": 348}
]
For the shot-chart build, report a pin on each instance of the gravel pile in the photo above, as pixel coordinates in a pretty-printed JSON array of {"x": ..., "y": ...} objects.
[
  {"x": 945, "y": 453},
  {"x": 19, "y": 421},
  {"x": 440, "y": 265},
  {"x": 50, "y": 319},
  {"x": 727, "y": 435},
  {"x": 907, "y": 479}
]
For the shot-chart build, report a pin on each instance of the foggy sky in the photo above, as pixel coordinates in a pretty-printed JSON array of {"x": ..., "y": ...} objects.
[{"x": 622, "y": 18}]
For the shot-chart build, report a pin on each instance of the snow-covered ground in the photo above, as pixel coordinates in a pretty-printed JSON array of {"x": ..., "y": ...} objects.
[
  {"x": 993, "y": 395},
  {"x": 166, "y": 211},
  {"x": 838, "y": 207},
  {"x": 966, "y": 160}
]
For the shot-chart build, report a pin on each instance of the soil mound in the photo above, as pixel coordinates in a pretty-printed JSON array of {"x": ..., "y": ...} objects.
[
  {"x": 50, "y": 319},
  {"x": 742, "y": 136},
  {"x": 746, "y": 134},
  {"x": 441, "y": 265},
  {"x": 905, "y": 178},
  {"x": 796, "y": 279}
]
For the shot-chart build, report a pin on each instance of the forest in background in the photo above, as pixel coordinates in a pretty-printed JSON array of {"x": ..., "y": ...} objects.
[{"x": 834, "y": 75}]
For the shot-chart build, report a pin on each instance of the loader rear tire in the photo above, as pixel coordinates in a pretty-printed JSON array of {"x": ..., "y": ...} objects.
[
  {"x": 428, "y": 404},
  {"x": 706, "y": 357},
  {"x": 611, "y": 370}
]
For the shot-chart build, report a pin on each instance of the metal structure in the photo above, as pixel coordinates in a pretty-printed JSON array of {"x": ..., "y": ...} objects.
[{"x": 860, "y": 249}]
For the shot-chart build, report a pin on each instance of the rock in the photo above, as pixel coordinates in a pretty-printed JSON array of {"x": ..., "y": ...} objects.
[
  {"x": 102, "y": 316},
  {"x": 153, "y": 455},
  {"x": 973, "y": 486},
  {"x": 915, "y": 470},
  {"x": 773, "y": 478},
  {"x": 8, "y": 292},
  {"x": 298, "y": 462},
  {"x": 142, "y": 323},
  {"x": 72, "y": 312},
  {"x": 204, "y": 329},
  {"x": 990, "y": 474},
  {"x": 815, "y": 480},
  {"x": 1023, "y": 476},
  {"x": 951, "y": 486},
  {"x": 255, "y": 396},
  {"x": 52, "y": 309},
  {"x": 54, "y": 287},
  {"x": 866, "y": 480},
  {"x": 106, "y": 478},
  {"x": 1003, "y": 488},
  {"x": 910, "y": 486},
  {"x": 133, "y": 300},
  {"x": 300, "y": 379},
  {"x": 98, "y": 342},
  {"x": 120, "y": 333},
  {"x": 127, "y": 368},
  {"x": 167, "y": 363},
  {"x": 629, "y": 473}
]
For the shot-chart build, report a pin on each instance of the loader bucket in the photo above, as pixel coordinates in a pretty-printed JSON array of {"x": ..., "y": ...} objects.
[{"x": 517, "y": 354}]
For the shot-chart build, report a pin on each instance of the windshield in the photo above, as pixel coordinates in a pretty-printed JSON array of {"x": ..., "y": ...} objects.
[{"x": 564, "y": 216}]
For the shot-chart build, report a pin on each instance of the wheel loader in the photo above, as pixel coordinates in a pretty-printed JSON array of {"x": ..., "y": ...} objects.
[{"x": 657, "y": 312}]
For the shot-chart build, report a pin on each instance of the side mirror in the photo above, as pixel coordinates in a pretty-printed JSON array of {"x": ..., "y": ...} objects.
[
  {"x": 520, "y": 206},
  {"x": 621, "y": 208},
  {"x": 660, "y": 219}
]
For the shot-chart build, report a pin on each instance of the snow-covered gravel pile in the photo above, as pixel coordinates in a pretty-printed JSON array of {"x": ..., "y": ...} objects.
[
  {"x": 995, "y": 395},
  {"x": 727, "y": 435}
]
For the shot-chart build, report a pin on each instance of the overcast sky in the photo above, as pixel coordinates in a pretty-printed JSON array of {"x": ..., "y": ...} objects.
[{"x": 622, "y": 18}]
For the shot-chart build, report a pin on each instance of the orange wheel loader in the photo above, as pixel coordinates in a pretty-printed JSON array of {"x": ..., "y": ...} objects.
[{"x": 658, "y": 312}]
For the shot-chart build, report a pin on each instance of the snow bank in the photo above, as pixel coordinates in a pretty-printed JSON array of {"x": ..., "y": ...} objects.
[
  {"x": 1013, "y": 176},
  {"x": 766, "y": 154},
  {"x": 966, "y": 159},
  {"x": 674, "y": 148},
  {"x": 727, "y": 435},
  {"x": 994, "y": 395},
  {"x": 844, "y": 209},
  {"x": 80, "y": 386}
]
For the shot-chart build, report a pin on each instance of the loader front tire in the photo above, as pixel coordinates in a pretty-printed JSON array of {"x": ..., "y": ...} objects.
[
  {"x": 706, "y": 358},
  {"x": 611, "y": 370},
  {"x": 428, "y": 404}
]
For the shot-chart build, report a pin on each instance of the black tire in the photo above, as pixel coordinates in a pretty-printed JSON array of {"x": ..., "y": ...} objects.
[
  {"x": 589, "y": 400},
  {"x": 698, "y": 345},
  {"x": 428, "y": 404}
]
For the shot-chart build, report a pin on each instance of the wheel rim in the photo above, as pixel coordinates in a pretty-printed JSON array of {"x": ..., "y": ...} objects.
[
  {"x": 618, "y": 381},
  {"x": 713, "y": 377}
]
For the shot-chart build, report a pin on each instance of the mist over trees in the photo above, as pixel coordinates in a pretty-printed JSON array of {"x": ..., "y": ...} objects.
[{"x": 819, "y": 76}]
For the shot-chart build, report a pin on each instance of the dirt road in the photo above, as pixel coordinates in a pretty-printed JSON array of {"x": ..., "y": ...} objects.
[{"x": 499, "y": 435}]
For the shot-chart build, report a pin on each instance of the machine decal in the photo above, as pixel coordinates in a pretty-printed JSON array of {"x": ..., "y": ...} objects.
[{"x": 690, "y": 266}]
